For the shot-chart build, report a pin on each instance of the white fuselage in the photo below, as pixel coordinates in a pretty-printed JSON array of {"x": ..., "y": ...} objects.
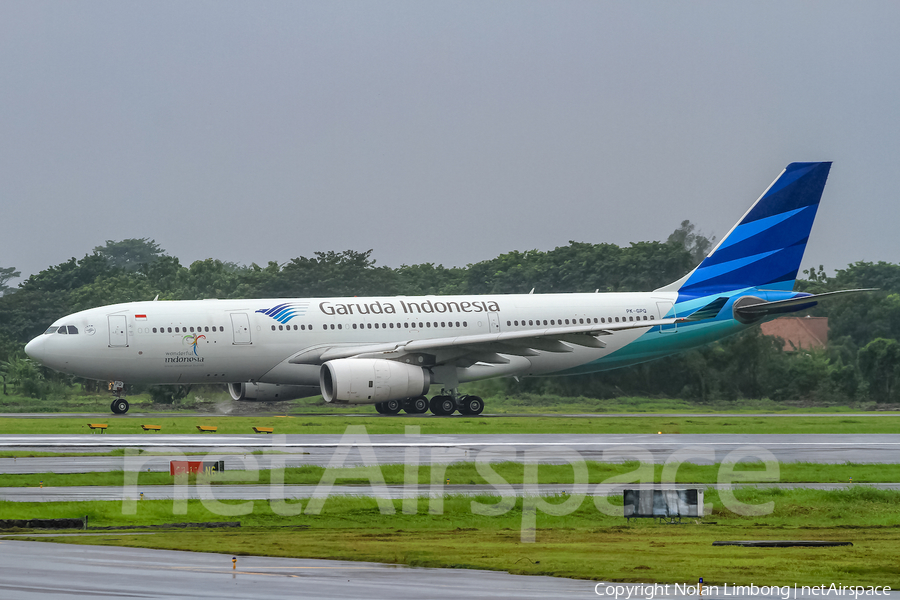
[{"x": 209, "y": 341}]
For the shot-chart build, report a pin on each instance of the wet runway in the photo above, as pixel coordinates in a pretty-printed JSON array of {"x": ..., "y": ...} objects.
[
  {"x": 37, "y": 571},
  {"x": 289, "y": 492},
  {"x": 45, "y": 571},
  {"x": 319, "y": 449}
]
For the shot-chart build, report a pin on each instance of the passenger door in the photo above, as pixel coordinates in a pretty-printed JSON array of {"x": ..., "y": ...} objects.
[
  {"x": 118, "y": 331},
  {"x": 240, "y": 325}
]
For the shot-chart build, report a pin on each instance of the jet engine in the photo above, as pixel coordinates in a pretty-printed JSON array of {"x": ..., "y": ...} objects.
[
  {"x": 269, "y": 392},
  {"x": 371, "y": 380}
]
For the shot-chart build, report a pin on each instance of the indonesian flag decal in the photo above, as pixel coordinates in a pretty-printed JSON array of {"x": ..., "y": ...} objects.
[{"x": 140, "y": 317}]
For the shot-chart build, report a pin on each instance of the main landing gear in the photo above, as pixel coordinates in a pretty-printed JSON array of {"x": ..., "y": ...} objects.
[
  {"x": 443, "y": 405},
  {"x": 412, "y": 406},
  {"x": 119, "y": 405}
]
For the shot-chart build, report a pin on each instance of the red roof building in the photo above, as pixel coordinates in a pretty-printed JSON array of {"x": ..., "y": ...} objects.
[{"x": 799, "y": 333}]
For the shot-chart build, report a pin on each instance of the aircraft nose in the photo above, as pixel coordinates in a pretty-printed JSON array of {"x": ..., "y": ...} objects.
[{"x": 36, "y": 349}]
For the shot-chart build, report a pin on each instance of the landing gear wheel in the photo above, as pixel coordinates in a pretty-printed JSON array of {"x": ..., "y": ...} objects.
[
  {"x": 119, "y": 406},
  {"x": 416, "y": 406},
  {"x": 473, "y": 405},
  {"x": 442, "y": 405},
  {"x": 391, "y": 407},
  {"x": 379, "y": 406}
]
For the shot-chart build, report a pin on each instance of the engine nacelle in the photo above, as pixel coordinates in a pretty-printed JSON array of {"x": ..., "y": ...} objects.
[
  {"x": 371, "y": 380},
  {"x": 270, "y": 392}
]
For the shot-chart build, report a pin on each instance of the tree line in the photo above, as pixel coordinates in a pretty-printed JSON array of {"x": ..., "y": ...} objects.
[{"x": 861, "y": 363}]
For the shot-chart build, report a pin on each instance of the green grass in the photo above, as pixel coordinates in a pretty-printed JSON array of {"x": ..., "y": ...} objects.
[
  {"x": 125, "y": 424},
  {"x": 585, "y": 544},
  {"x": 466, "y": 473}
]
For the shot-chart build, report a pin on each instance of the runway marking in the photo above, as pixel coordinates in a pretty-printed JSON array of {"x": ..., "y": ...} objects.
[{"x": 297, "y": 567}]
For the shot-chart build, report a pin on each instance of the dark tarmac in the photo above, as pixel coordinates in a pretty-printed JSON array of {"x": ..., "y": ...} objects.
[
  {"x": 319, "y": 449},
  {"x": 39, "y": 570}
]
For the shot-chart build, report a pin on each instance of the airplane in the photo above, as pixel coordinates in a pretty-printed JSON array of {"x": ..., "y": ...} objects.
[{"x": 388, "y": 351}]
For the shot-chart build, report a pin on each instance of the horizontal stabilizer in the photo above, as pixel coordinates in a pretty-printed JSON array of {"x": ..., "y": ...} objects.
[{"x": 758, "y": 310}]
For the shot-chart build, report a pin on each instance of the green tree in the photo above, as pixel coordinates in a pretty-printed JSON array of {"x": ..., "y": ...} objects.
[
  {"x": 7, "y": 273},
  {"x": 688, "y": 237},
  {"x": 879, "y": 363},
  {"x": 129, "y": 254}
]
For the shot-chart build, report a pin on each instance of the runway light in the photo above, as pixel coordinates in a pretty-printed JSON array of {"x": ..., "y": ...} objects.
[
  {"x": 659, "y": 432},
  {"x": 42, "y": 484},
  {"x": 142, "y": 495},
  {"x": 234, "y": 562}
]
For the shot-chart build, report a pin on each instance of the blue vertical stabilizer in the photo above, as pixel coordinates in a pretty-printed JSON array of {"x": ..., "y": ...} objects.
[{"x": 766, "y": 246}]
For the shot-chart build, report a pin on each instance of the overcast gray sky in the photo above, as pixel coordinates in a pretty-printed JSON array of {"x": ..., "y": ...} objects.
[{"x": 444, "y": 132}]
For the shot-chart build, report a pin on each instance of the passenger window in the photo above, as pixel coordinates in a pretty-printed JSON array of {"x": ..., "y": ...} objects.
[
  {"x": 325, "y": 327},
  {"x": 457, "y": 323},
  {"x": 508, "y": 323},
  {"x": 170, "y": 330},
  {"x": 631, "y": 318},
  {"x": 567, "y": 321},
  {"x": 354, "y": 326},
  {"x": 369, "y": 325},
  {"x": 651, "y": 317},
  {"x": 428, "y": 324},
  {"x": 465, "y": 324},
  {"x": 280, "y": 327},
  {"x": 617, "y": 319},
  {"x": 392, "y": 325},
  {"x": 273, "y": 328},
  {"x": 406, "y": 325},
  {"x": 332, "y": 325},
  {"x": 581, "y": 321},
  {"x": 384, "y": 325},
  {"x": 154, "y": 330},
  {"x": 376, "y": 325},
  {"x": 602, "y": 320},
  {"x": 340, "y": 326}
]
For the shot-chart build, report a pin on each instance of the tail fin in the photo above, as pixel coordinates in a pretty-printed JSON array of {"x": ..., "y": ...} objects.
[{"x": 764, "y": 249}]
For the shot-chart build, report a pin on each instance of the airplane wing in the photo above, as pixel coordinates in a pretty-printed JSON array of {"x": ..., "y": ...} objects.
[{"x": 465, "y": 350}]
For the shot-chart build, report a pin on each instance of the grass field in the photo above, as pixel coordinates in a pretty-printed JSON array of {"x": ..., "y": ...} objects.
[
  {"x": 457, "y": 425},
  {"x": 585, "y": 544},
  {"x": 466, "y": 473}
]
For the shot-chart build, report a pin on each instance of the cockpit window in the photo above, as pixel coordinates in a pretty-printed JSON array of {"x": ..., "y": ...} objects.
[
  {"x": 51, "y": 330},
  {"x": 62, "y": 329},
  {"x": 72, "y": 329}
]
